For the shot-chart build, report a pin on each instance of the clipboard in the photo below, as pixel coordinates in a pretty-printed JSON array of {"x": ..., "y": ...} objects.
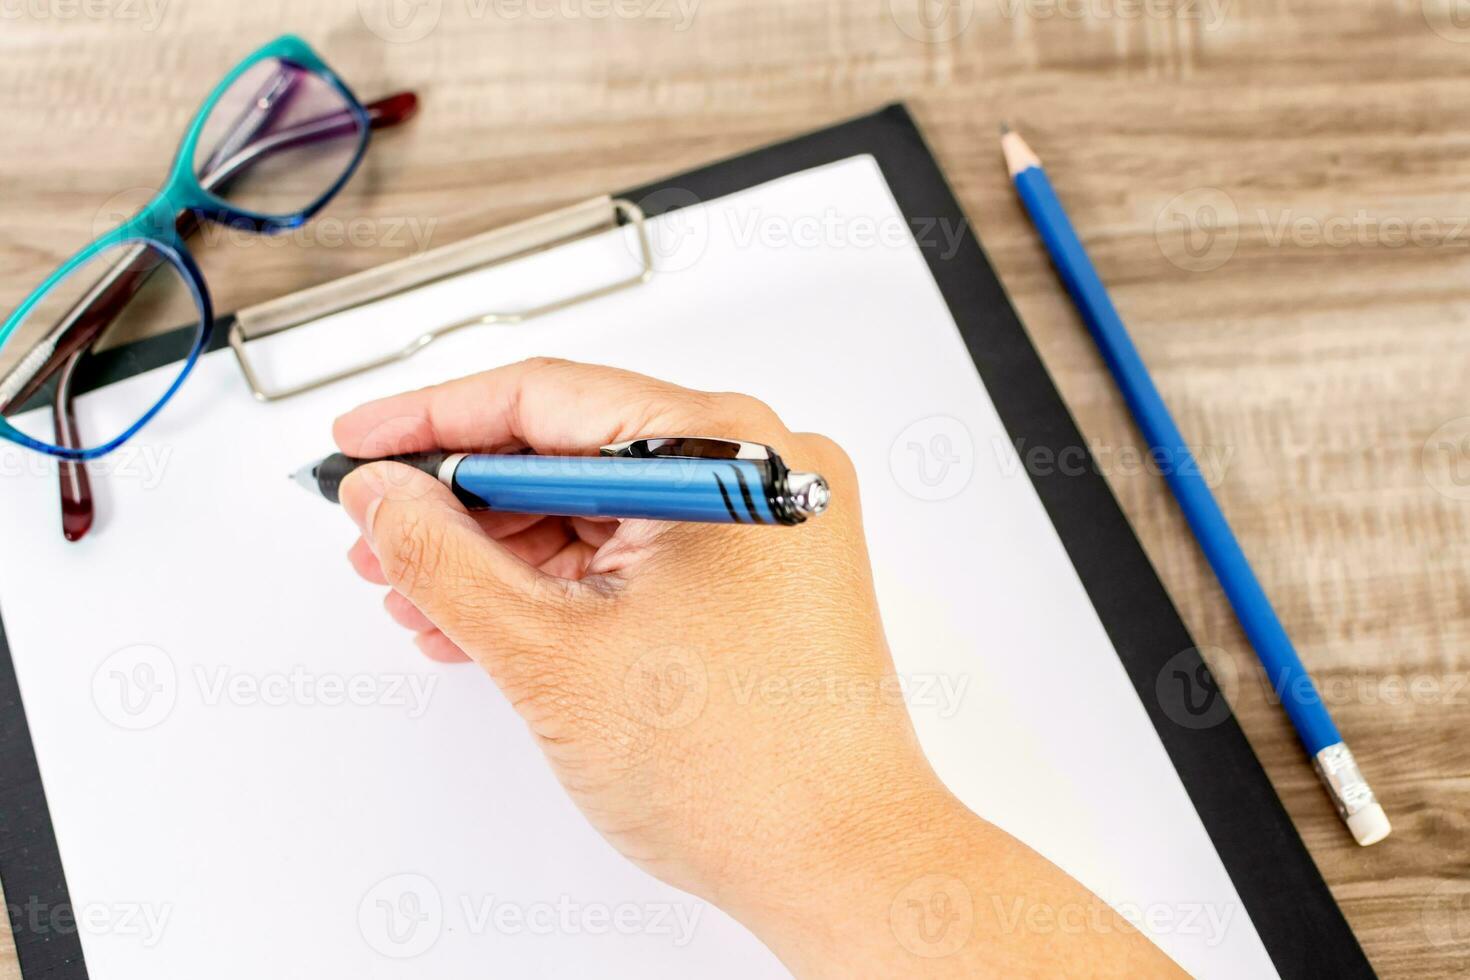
[{"x": 1301, "y": 926}]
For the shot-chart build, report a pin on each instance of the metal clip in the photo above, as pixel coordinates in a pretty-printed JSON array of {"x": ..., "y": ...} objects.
[
  {"x": 395, "y": 278},
  {"x": 690, "y": 447}
]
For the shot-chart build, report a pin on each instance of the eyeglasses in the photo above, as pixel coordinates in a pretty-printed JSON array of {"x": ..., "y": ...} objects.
[{"x": 274, "y": 142}]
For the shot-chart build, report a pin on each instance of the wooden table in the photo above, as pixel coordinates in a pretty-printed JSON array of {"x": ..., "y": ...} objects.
[{"x": 1278, "y": 194}]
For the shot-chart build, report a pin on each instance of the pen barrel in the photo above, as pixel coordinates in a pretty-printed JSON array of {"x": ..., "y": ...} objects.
[
  {"x": 724, "y": 491},
  {"x": 1284, "y": 669}
]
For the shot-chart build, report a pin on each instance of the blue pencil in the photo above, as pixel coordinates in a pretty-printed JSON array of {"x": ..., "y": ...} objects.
[{"x": 1334, "y": 763}]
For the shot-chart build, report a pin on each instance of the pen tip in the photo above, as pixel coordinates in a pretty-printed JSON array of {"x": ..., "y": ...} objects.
[{"x": 306, "y": 477}]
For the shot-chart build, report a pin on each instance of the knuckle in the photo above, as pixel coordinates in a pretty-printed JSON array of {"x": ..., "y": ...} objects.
[
  {"x": 748, "y": 408},
  {"x": 543, "y": 363},
  {"x": 819, "y": 453},
  {"x": 826, "y": 452}
]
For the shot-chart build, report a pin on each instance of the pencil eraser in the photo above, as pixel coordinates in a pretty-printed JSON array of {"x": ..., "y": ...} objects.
[{"x": 1369, "y": 825}]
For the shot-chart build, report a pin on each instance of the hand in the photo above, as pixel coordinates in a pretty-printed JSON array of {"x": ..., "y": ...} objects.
[{"x": 718, "y": 700}]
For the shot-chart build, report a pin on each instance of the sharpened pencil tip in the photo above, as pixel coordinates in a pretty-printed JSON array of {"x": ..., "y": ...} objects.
[{"x": 1005, "y": 127}]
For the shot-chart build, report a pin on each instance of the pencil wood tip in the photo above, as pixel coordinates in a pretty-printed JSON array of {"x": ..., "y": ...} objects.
[{"x": 1018, "y": 155}]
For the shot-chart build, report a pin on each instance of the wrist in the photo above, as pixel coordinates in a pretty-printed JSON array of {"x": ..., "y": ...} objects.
[{"x": 885, "y": 884}]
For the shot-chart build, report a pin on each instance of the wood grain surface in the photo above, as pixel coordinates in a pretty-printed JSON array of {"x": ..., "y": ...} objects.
[{"x": 1277, "y": 193}]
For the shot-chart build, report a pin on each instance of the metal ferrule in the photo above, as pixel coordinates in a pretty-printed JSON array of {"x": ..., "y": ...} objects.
[{"x": 1344, "y": 781}]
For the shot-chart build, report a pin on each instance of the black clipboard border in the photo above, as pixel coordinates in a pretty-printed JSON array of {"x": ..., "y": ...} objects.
[{"x": 1290, "y": 905}]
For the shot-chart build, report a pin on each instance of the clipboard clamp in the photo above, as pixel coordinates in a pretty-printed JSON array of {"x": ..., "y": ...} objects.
[{"x": 395, "y": 278}]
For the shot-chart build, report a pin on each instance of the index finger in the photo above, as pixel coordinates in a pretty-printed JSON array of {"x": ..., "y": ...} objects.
[{"x": 549, "y": 406}]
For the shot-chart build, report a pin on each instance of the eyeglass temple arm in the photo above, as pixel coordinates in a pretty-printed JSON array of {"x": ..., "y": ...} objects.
[{"x": 105, "y": 300}]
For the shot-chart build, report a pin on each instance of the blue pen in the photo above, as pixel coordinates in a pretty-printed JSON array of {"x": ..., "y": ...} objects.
[
  {"x": 1334, "y": 763},
  {"x": 686, "y": 478}
]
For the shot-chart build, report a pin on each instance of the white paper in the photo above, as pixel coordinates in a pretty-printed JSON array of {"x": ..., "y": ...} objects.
[{"x": 249, "y": 763}]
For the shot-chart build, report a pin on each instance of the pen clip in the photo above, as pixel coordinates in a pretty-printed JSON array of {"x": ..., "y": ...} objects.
[{"x": 689, "y": 447}]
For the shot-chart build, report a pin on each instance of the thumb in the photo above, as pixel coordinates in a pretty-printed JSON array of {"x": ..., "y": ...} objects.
[{"x": 434, "y": 554}]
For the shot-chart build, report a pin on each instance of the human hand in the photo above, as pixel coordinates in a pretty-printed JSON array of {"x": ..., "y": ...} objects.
[{"x": 718, "y": 700}]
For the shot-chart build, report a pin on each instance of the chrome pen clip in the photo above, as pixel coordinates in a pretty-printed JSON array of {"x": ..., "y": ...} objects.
[
  {"x": 793, "y": 497},
  {"x": 690, "y": 447}
]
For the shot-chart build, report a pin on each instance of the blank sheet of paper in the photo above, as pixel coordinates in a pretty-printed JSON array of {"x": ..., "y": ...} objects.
[{"x": 247, "y": 761}]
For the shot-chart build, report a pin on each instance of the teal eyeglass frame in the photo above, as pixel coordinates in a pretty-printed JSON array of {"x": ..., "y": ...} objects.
[{"x": 154, "y": 226}]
